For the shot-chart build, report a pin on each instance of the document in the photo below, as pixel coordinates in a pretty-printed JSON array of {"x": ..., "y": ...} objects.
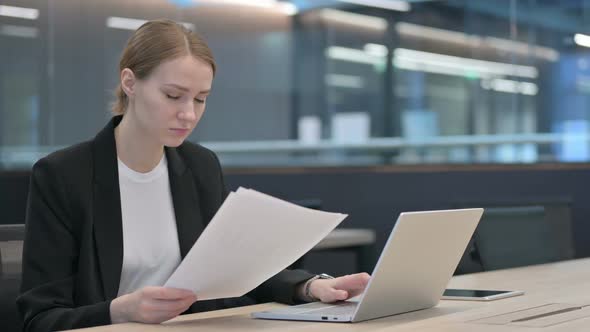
[{"x": 252, "y": 237}]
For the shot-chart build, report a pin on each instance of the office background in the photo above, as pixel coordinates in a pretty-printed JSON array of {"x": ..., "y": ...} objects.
[
  {"x": 319, "y": 82},
  {"x": 364, "y": 107}
]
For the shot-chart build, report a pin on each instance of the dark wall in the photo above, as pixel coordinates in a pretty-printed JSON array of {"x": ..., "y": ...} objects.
[
  {"x": 374, "y": 197},
  {"x": 14, "y": 187}
]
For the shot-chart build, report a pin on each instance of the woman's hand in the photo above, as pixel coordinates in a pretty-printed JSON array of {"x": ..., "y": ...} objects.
[
  {"x": 151, "y": 305},
  {"x": 339, "y": 289}
]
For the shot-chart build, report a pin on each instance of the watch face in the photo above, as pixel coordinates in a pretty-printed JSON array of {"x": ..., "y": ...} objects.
[{"x": 325, "y": 276}]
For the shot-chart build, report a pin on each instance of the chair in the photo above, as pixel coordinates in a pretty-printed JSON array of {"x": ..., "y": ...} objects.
[
  {"x": 524, "y": 235},
  {"x": 11, "y": 242},
  {"x": 470, "y": 262}
]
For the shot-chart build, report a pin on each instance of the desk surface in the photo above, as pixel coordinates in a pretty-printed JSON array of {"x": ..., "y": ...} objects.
[
  {"x": 563, "y": 282},
  {"x": 347, "y": 237}
]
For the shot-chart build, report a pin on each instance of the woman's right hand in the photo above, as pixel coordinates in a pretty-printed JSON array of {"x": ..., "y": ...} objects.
[{"x": 151, "y": 305}]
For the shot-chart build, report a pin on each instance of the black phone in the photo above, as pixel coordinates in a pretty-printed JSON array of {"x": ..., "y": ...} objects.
[{"x": 478, "y": 294}]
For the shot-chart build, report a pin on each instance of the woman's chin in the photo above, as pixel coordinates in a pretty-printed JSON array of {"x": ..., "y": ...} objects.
[{"x": 173, "y": 143}]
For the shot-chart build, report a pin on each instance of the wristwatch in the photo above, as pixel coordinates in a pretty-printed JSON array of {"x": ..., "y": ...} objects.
[{"x": 307, "y": 291}]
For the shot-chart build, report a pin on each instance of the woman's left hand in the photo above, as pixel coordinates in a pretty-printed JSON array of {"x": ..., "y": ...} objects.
[{"x": 339, "y": 289}]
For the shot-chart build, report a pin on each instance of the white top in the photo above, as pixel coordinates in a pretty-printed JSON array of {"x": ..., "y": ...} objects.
[{"x": 150, "y": 241}]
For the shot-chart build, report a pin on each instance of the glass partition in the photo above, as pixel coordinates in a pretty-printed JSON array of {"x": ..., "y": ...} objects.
[{"x": 321, "y": 82}]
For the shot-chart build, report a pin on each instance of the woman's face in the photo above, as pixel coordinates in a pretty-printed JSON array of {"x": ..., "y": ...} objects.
[{"x": 169, "y": 103}]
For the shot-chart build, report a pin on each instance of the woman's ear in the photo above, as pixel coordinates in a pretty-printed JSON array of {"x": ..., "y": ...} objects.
[{"x": 128, "y": 82}]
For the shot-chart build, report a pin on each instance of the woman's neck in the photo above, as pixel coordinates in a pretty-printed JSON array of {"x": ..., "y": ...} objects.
[{"x": 136, "y": 149}]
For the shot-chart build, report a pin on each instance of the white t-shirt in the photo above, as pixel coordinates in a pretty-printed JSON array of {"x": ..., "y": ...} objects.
[{"x": 150, "y": 241}]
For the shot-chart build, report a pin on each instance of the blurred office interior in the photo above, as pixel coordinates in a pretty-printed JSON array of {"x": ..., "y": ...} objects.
[
  {"x": 367, "y": 107},
  {"x": 319, "y": 83}
]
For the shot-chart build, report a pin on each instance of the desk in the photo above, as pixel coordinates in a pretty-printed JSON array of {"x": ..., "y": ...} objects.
[
  {"x": 360, "y": 241},
  {"x": 11, "y": 249},
  {"x": 346, "y": 237},
  {"x": 563, "y": 282}
]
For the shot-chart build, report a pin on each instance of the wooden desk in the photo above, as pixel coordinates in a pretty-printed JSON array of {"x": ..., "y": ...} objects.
[{"x": 564, "y": 282}]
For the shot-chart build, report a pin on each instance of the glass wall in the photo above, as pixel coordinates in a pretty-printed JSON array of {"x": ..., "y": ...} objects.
[{"x": 321, "y": 82}]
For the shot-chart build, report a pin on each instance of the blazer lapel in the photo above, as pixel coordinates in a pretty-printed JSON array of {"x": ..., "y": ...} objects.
[
  {"x": 185, "y": 198},
  {"x": 108, "y": 229},
  {"x": 108, "y": 225}
]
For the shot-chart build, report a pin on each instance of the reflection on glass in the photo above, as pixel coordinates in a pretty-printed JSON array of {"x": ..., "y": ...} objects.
[{"x": 314, "y": 82}]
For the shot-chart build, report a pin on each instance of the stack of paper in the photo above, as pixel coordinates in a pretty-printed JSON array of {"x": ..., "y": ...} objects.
[{"x": 252, "y": 237}]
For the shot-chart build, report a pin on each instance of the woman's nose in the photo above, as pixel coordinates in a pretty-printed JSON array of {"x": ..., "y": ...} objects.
[{"x": 187, "y": 113}]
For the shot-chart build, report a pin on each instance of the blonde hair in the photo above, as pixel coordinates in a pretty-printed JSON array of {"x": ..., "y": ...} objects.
[{"x": 151, "y": 44}]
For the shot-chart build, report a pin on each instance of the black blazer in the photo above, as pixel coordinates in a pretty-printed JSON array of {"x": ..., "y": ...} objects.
[{"x": 73, "y": 250}]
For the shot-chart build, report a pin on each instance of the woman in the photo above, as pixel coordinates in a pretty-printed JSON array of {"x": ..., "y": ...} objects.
[{"x": 109, "y": 220}]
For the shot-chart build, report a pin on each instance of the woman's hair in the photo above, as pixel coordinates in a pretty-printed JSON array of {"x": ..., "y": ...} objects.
[{"x": 153, "y": 43}]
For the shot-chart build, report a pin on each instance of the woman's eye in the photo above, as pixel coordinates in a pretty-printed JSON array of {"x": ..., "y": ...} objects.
[
  {"x": 172, "y": 97},
  {"x": 200, "y": 101}
]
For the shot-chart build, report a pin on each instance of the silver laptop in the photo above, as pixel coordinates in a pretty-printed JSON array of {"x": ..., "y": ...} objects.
[{"x": 414, "y": 268}]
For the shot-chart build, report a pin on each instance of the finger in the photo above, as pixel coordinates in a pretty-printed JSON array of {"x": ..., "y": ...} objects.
[
  {"x": 157, "y": 316},
  {"x": 182, "y": 310},
  {"x": 167, "y": 293},
  {"x": 365, "y": 278},
  {"x": 166, "y": 315},
  {"x": 359, "y": 279},
  {"x": 352, "y": 281},
  {"x": 339, "y": 295},
  {"x": 164, "y": 293},
  {"x": 171, "y": 315},
  {"x": 355, "y": 292},
  {"x": 332, "y": 295},
  {"x": 354, "y": 284},
  {"x": 149, "y": 313},
  {"x": 170, "y": 306}
]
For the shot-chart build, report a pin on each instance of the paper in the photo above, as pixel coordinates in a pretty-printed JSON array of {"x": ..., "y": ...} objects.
[{"x": 252, "y": 237}]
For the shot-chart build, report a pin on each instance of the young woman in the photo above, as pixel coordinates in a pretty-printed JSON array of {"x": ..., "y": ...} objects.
[{"x": 109, "y": 220}]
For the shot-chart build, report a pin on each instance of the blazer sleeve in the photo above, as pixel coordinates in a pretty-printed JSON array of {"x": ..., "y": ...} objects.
[
  {"x": 282, "y": 287},
  {"x": 50, "y": 257}
]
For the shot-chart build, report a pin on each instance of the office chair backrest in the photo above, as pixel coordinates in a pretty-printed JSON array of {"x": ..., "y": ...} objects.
[
  {"x": 11, "y": 242},
  {"x": 524, "y": 235},
  {"x": 310, "y": 203}
]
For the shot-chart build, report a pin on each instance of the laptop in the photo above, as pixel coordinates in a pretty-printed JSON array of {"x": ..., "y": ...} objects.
[{"x": 414, "y": 268}]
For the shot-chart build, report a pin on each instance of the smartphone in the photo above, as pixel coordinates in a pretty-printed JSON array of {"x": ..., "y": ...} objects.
[{"x": 478, "y": 294}]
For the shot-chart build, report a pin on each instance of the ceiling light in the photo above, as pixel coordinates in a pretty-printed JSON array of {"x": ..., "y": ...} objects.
[
  {"x": 353, "y": 55},
  {"x": 373, "y": 54},
  {"x": 126, "y": 23},
  {"x": 256, "y": 3},
  {"x": 19, "y": 12},
  {"x": 364, "y": 21},
  {"x": 398, "y": 5},
  {"x": 284, "y": 7},
  {"x": 377, "y": 50},
  {"x": 287, "y": 8},
  {"x": 469, "y": 40},
  {"x": 19, "y": 31},
  {"x": 463, "y": 65},
  {"x": 510, "y": 86},
  {"x": 344, "y": 81},
  {"x": 582, "y": 39}
]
